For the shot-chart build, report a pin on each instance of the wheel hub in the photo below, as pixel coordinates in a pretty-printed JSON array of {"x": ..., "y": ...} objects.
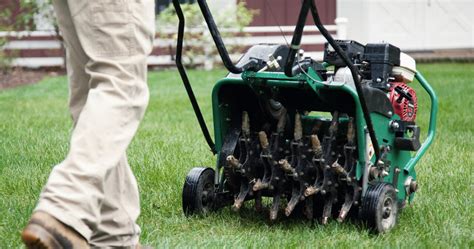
[
  {"x": 388, "y": 217},
  {"x": 387, "y": 209}
]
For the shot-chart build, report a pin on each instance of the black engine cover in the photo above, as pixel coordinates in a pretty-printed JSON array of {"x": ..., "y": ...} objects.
[{"x": 381, "y": 58}]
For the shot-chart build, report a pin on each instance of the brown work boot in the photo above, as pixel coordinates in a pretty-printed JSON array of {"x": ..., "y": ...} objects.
[{"x": 45, "y": 232}]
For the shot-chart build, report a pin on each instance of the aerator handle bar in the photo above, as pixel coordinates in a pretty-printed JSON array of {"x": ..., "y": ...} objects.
[
  {"x": 216, "y": 36},
  {"x": 184, "y": 77},
  {"x": 295, "y": 45}
]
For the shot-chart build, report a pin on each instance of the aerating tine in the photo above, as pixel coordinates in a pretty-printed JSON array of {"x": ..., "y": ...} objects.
[
  {"x": 233, "y": 162},
  {"x": 298, "y": 127},
  {"x": 326, "y": 212},
  {"x": 291, "y": 205},
  {"x": 338, "y": 168},
  {"x": 316, "y": 145},
  {"x": 262, "y": 137},
  {"x": 281, "y": 122},
  {"x": 245, "y": 124},
  {"x": 334, "y": 122},
  {"x": 275, "y": 207},
  {"x": 349, "y": 200},
  {"x": 350, "y": 130},
  {"x": 311, "y": 190},
  {"x": 259, "y": 185},
  {"x": 286, "y": 166}
]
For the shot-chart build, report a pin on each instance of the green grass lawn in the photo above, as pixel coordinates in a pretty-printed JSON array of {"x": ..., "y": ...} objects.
[{"x": 34, "y": 136}]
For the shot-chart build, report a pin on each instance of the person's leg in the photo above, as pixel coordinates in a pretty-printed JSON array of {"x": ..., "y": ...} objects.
[
  {"x": 43, "y": 229},
  {"x": 120, "y": 208},
  {"x": 119, "y": 211},
  {"x": 82, "y": 191},
  {"x": 76, "y": 60}
]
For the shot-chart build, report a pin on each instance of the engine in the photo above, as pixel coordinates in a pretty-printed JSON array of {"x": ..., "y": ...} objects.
[
  {"x": 403, "y": 99},
  {"x": 383, "y": 67}
]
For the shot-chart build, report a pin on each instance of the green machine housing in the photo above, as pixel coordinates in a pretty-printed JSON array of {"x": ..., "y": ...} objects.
[{"x": 310, "y": 93}]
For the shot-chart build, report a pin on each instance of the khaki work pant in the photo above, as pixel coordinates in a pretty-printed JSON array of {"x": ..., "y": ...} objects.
[{"x": 94, "y": 190}]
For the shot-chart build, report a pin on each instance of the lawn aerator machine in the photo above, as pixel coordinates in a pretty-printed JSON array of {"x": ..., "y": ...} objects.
[{"x": 331, "y": 139}]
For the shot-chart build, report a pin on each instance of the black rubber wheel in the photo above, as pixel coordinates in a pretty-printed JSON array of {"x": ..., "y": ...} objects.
[
  {"x": 380, "y": 207},
  {"x": 198, "y": 191}
]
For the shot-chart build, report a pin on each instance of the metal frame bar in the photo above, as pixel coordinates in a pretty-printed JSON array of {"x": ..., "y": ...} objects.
[
  {"x": 184, "y": 77},
  {"x": 432, "y": 126}
]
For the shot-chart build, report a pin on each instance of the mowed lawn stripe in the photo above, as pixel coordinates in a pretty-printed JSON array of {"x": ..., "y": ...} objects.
[{"x": 35, "y": 129}]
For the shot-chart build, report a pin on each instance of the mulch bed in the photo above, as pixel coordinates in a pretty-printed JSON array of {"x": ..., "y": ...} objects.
[{"x": 18, "y": 77}]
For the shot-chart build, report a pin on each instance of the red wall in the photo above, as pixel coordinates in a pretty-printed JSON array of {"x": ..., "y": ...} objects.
[{"x": 285, "y": 12}]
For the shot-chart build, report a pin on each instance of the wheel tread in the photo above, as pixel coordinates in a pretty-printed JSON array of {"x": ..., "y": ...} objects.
[
  {"x": 190, "y": 190},
  {"x": 370, "y": 202}
]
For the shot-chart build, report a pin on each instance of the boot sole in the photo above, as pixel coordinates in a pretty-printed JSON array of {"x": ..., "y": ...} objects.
[{"x": 36, "y": 237}]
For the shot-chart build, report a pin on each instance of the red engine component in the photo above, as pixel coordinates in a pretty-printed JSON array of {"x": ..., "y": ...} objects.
[{"x": 404, "y": 101}]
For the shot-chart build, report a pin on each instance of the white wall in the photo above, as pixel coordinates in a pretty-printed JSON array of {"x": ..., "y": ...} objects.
[
  {"x": 215, "y": 5},
  {"x": 411, "y": 24}
]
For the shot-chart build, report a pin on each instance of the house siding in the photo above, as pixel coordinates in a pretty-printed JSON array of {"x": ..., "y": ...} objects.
[{"x": 284, "y": 12}]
